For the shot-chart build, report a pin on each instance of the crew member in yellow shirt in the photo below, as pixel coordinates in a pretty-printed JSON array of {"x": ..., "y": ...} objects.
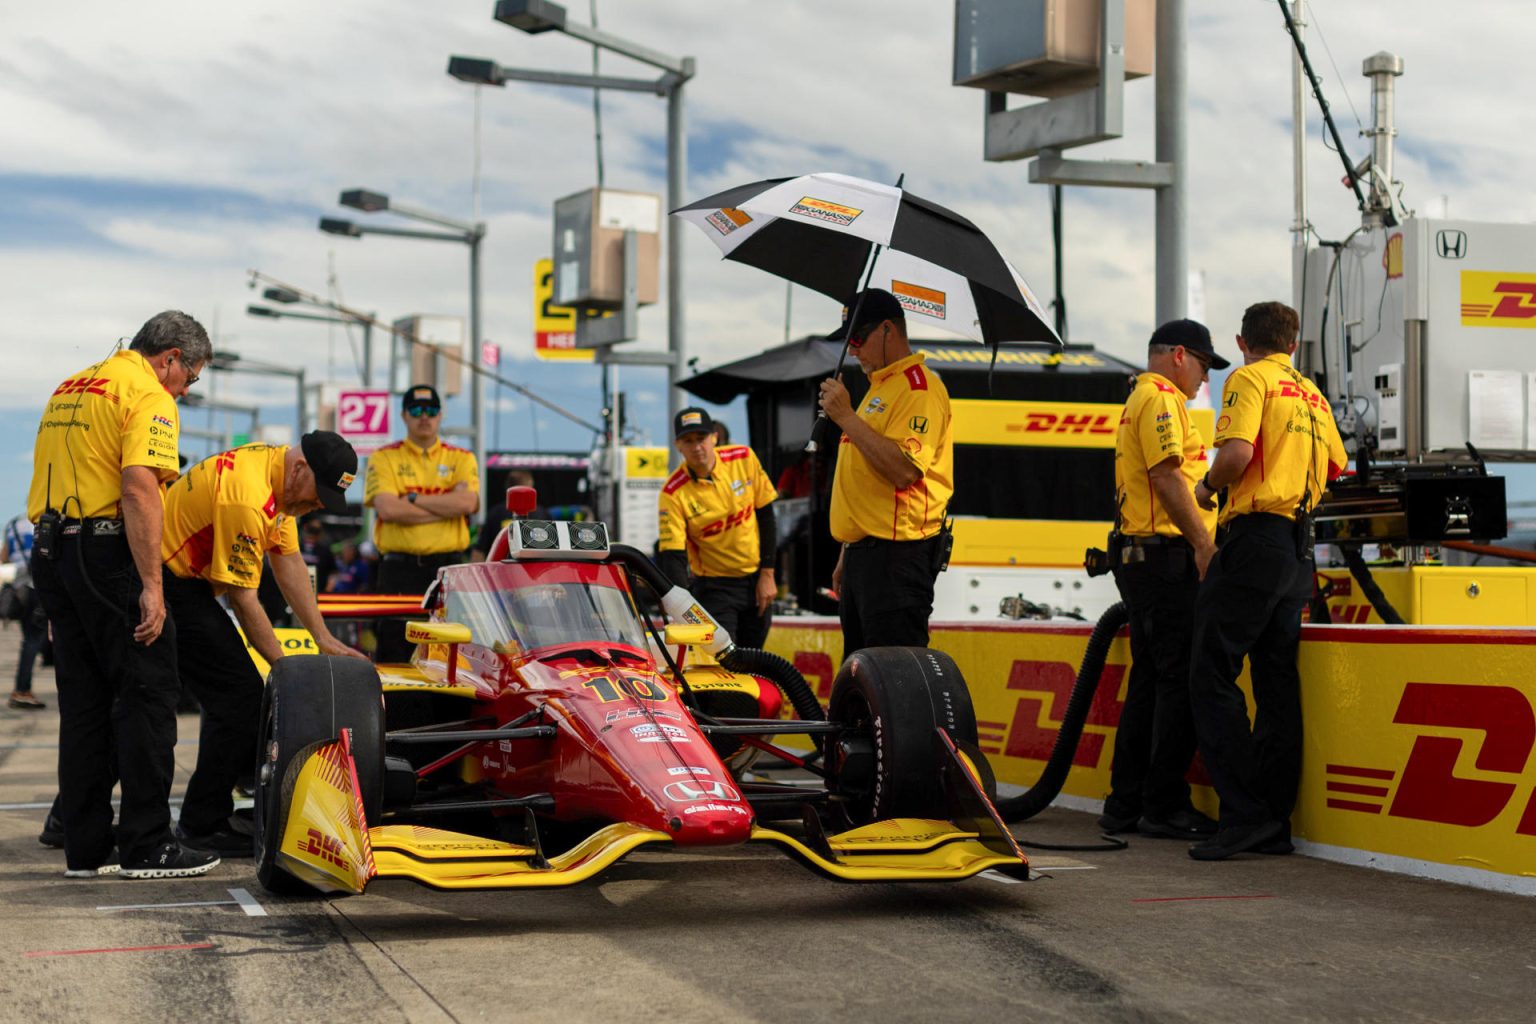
[
  {"x": 107, "y": 441},
  {"x": 894, "y": 479},
  {"x": 222, "y": 518},
  {"x": 422, "y": 490},
  {"x": 1277, "y": 449},
  {"x": 716, "y": 520},
  {"x": 1164, "y": 542}
]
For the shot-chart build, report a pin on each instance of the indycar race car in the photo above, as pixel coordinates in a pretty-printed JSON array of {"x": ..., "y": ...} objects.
[{"x": 545, "y": 729}]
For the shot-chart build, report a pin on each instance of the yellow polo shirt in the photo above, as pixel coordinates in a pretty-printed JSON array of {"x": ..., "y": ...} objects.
[
  {"x": 403, "y": 468},
  {"x": 222, "y": 517},
  {"x": 715, "y": 517},
  {"x": 96, "y": 424},
  {"x": 1155, "y": 427},
  {"x": 908, "y": 403},
  {"x": 1296, "y": 445}
]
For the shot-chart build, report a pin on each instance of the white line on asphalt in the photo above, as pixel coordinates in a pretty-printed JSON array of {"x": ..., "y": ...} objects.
[
  {"x": 162, "y": 906},
  {"x": 998, "y": 876},
  {"x": 45, "y": 806},
  {"x": 248, "y": 903}
]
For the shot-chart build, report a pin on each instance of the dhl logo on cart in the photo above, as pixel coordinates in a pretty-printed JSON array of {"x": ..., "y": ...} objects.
[
  {"x": 1048, "y": 424},
  {"x": 1497, "y": 299}
]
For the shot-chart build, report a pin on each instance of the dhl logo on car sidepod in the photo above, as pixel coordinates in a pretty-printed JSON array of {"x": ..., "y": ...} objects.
[
  {"x": 1428, "y": 788},
  {"x": 1497, "y": 299}
]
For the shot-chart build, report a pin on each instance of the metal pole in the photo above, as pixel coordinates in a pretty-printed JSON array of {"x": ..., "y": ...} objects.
[
  {"x": 367, "y": 354},
  {"x": 477, "y": 386},
  {"x": 1298, "y": 163},
  {"x": 300, "y": 378},
  {"x": 1172, "y": 80},
  {"x": 677, "y": 175}
]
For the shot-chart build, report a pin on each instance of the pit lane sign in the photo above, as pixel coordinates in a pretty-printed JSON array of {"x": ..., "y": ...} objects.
[
  {"x": 554, "y": 327},
  {"x": 362, "y": 417}
]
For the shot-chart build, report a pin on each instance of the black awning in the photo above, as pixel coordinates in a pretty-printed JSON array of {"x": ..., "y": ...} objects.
[{"x": 813, "y": 359}]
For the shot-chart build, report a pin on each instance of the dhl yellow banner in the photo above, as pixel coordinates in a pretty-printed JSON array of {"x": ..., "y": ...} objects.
[
  {"x": 1050, "y": 424},
  {"x": 1419, "y": 741},
  {"x": 1497, "y": 298}
]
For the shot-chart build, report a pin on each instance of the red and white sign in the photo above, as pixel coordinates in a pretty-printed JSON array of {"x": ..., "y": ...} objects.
[
  {"x": 362, "y": 417},
  {"x": 490, "y": 355}
]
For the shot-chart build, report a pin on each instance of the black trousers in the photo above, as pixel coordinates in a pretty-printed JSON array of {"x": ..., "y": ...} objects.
[
  {"x": 1250, "y": 604},
  {"x": 405, "y": 574},
  {"x": 117, "y": 701},
  {"x": 217, "y": 668},
  {"x": 1155, "y": 740},
  {"x": 732, "y": 600},
  {"x": 887, "y": 595}
]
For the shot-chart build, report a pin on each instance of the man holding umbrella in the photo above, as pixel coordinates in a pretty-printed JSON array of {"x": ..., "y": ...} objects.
[{"x": 894, "y": 478}]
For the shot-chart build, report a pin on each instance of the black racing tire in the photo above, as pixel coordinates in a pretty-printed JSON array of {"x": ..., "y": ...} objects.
[
  {"x": 309, "y": 699},
  {"x": 886, "y": 762}
]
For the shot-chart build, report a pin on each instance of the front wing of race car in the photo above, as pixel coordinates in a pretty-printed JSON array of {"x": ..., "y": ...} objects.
[{"x": 327, "y": 843}]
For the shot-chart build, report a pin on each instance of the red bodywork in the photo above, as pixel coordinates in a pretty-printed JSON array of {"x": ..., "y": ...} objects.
[{"x": 626, "y": 748}]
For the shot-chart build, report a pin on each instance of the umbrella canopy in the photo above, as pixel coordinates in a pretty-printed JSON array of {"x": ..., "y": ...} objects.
[{"x": 818, "y": 230}]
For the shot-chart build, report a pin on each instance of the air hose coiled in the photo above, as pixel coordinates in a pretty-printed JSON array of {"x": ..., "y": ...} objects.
[
  {"x": 785, "y": 676},
  {"x": 1040, "y": 795}
]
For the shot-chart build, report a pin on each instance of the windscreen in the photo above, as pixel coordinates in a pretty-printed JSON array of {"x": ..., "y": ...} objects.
[{"x": 534, "y": 615}]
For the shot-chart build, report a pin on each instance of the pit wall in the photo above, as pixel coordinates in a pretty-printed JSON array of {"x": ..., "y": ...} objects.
[{"x": 1418, "y": 748}]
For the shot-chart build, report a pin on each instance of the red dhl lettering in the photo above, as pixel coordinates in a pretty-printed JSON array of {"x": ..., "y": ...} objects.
[
  {"x": 1292, "y": 390},
  {"x": 428, "y": 490},
  {"x": 82, "y": 385},
  {"x": 730, "y": 522},
  {"x": 1062, "y": 423},
  {"x": 324, "y": 847},
  {"x": 1518, "y": 302},
  {"x": 1429, "y": 788}
]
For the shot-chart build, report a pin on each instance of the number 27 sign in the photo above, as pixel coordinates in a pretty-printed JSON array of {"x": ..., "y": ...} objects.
[{"x": 362, "y": 417}]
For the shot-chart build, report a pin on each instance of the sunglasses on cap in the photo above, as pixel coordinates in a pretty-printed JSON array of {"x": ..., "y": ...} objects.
[{"x": 423, "y": 410}]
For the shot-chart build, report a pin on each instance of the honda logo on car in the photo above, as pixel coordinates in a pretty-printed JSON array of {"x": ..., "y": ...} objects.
[{"x": 700, "y": 789}]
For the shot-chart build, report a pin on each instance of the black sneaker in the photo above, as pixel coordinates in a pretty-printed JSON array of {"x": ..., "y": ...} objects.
[
  {"x": 1183, "y": 824},
  {"x": 1236, "y": 839},
  {"x": 52, "y": 833},
  {"x": 108, "y": 866},
  {"x": 224, "y": 842},
  {"x": 1110, "y": 822},
  {"x": 171, "y": 860}
]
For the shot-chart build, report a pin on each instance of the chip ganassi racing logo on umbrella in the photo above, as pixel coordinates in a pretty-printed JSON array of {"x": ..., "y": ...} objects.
[{"x": 700, "y": 789}]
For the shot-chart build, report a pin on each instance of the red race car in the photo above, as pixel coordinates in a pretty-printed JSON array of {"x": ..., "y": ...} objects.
[{"x": 545, "y": 729}]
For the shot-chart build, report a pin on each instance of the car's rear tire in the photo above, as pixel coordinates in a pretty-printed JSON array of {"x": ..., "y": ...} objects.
[
  {"x": 885, "y": 763},
  {"x": 309, "y": 699}
]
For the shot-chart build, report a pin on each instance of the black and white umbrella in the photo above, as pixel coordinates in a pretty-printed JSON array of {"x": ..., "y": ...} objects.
[{"x": 819, "y": 231}]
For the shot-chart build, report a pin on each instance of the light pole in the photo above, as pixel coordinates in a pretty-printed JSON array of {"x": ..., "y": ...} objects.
[
  {"x": 283, "y": 295},
  {"x": 464, "y": 232},
  {"x": 232, "y": 362},
  {"x": 536, "y": 16}
]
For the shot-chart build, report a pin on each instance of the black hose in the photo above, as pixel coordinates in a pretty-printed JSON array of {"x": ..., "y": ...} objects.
[
  {"x": 768, "y": 665},
  {"x": 1362, "y": 574},
  {"x": 734, "y": 659},
  {"x": 1040, "y": 795}
]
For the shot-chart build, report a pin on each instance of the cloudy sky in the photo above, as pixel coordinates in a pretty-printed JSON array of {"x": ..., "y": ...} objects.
[{"x": 155, "y": 152}]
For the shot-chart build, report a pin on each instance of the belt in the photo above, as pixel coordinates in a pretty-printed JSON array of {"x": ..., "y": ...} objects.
[
  {"x": 870, "y": 542},
  {"x": 92, "y": 527},
  {"x": 1157, "y": 540},
  {"x": 436, "y": 558}
]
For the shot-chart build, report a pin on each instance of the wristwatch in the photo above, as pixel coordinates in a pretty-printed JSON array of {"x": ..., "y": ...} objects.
[{"x": 411, "y": 497}]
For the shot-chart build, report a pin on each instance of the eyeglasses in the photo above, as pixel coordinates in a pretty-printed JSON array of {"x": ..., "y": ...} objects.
[
  {"x": 422, "y": 410},
  {"x": 1201, "y": 358},
  {"x": 857, "y": 341},
  {"x": 192, "y": 378}
]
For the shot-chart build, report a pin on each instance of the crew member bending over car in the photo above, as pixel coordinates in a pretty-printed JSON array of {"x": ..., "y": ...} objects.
[
  {"x": 221, "y": 518},
  {"x": 716, "y": 519}
]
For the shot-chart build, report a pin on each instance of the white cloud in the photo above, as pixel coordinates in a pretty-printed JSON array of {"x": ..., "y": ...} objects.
[{"x": 260, "y": 114}]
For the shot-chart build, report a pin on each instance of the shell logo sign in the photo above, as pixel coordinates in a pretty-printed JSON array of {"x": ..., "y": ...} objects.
[
  {"x": 1392, "y": 256},
  {"x": 1497, "y": 299}
]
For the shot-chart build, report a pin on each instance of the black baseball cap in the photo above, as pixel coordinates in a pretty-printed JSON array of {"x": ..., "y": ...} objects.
[
  {"x": 334, "y": 464},
  {"x": 1193, "y": 335},
  {"x": 420, "y": 394},
  {"x": 877, "y": 305},
  {"x": 692, "y": 420}
]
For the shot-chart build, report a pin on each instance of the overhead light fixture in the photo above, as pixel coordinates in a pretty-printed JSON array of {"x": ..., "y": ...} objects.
[
  {"x": 531, "y": 16},
  {"x": 332, "y": 226},
  {"x": 476, "y": 71},
  {"x": 362, "y": 199}
]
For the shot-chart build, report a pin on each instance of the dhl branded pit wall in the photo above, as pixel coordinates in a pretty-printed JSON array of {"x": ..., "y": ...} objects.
[{"x": 1419, "y": 740}]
